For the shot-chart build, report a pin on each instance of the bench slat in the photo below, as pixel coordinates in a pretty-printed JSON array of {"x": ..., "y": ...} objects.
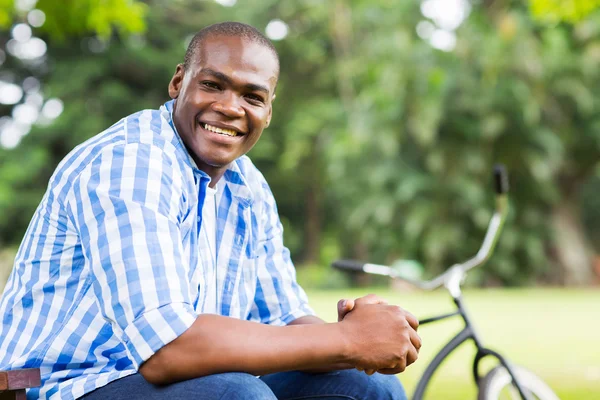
[
  {"x": 14, "y": 395},
  {"x": 20, "y": 379}
]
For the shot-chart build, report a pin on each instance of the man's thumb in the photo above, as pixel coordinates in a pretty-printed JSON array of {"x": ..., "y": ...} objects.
[{"x": 344, "y": 306}]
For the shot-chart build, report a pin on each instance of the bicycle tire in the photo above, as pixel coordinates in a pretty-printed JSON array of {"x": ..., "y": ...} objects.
[{"x": 491, "y": 386}]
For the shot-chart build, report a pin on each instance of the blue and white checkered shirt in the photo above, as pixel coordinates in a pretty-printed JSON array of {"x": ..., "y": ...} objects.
[{"x": 110, "y": 270}]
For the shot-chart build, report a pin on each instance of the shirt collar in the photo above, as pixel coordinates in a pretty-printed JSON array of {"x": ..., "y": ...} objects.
[{"x": 234, "y": 175}]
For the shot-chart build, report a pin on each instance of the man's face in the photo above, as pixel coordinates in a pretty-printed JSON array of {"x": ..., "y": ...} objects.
[{"x": 223, "y": 99}]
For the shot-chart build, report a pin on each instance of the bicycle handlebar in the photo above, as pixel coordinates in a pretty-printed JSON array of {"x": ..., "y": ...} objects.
[
  {"x": 349, "y": 265},
  {"x": 377, "y": 269},
  {"x": 455, "y": 273},
  {"x": 500, "y": 179}
]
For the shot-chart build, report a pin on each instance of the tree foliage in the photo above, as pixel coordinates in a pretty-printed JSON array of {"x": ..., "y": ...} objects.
[
  {"x": 381, "y": 147},
  {"x": 563, "y": 10},
  {"x": 69, "y": 18}
]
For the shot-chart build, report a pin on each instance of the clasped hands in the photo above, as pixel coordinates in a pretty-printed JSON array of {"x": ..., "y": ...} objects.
[{"x": 382, "y": 338}]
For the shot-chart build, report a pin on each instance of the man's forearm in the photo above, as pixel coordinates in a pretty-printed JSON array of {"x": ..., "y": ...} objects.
[
  {"x": 216, "y": 344},
  {"x": 311, "y": 319}
]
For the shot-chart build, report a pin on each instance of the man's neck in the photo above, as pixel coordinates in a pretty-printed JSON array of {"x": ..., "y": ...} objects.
[{"x": 215, "y": 173}]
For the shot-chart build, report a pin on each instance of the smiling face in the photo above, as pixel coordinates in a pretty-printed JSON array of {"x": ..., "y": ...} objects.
[{"x": 223, "y": 100}]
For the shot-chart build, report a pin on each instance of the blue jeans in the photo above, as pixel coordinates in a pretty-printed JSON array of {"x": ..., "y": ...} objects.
[{"x": 347, "y": 385}]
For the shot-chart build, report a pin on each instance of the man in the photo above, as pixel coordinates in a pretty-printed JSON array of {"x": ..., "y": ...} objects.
[{"x": 157, "y": 248}]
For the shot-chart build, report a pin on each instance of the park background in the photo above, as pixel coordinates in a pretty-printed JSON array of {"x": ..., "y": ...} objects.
[{"x": 389, "y": 117}]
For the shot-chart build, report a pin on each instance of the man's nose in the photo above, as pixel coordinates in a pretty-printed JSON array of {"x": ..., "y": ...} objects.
[{"x": 229, "y": 105}]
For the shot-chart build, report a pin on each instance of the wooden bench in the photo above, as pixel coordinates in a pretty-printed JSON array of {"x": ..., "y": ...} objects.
[{"x": 14, "y": 383}]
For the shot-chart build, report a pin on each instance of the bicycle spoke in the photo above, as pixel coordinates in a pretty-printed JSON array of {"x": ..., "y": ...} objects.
[
  {"x": 514, "y": 393},
  {"x": 509, "y": 393}
]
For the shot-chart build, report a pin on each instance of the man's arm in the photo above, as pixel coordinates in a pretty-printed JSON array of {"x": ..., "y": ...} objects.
[
  {"x": 373, "y": 336},
  {"x": 313, "y": 319},
  {"x": 215, "y": 344},
  {"x": 307, "y": 320}
]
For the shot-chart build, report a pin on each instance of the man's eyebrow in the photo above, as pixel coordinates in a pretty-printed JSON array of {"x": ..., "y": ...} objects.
[
  {"x": 221, "y": 76},
  {"x": 258, "y": 88},
  {"x": 216, "y": 74}
]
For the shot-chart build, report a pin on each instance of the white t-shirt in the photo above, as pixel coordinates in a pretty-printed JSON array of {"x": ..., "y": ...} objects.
[{"x": 208, "y": 245}]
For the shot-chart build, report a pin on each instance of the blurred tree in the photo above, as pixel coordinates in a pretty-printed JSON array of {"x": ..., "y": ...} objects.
[
  {"x": 381, "y": 146},
  {"x": 591, "y": 211},
  {"x": 563, "y": 10},
  {"x": 540, "y": 82},
  {"x": 420, "y": 130},
  {"x": 24, "y": 171},
  {"x": 68, "y": 18},
  {"x": 425, "y": 127}
]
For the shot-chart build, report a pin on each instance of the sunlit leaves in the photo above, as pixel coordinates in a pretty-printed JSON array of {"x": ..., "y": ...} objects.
[
  {"x": 563, "y": 10},
  {"x": 76, "y": 17},
  {"x": 6, "y": 10}
]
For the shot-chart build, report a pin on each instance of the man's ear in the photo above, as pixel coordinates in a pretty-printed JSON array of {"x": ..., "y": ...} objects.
[
  {"x": 270, "y": 112},
  {"x": 176, "y": 82}
]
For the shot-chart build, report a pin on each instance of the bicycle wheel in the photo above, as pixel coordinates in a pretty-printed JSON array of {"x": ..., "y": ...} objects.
[{"x": 497, "y": 385}]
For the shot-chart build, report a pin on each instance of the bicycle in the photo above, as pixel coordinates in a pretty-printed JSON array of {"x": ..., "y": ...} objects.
[{"x": 518, "y": 381}]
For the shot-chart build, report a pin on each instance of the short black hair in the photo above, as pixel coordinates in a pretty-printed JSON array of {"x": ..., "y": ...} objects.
[{"x": 229, "y": 28}]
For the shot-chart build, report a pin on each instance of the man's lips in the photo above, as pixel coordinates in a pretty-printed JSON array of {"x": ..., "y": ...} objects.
[
  {"x": 221, "y": 128},
  {"x": 223, "y": 137}
]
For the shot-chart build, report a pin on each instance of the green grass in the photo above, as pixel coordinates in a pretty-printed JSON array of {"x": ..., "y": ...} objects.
[{"x": 553, "y": 332}]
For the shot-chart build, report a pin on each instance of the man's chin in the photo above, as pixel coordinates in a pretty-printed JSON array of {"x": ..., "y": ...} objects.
[
  {"x": 212, "y": 164},
  {"x": 218, "y": 165}
]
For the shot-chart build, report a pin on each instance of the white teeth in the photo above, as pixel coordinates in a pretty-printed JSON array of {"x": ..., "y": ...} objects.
[{"x": 227, "y": 132}]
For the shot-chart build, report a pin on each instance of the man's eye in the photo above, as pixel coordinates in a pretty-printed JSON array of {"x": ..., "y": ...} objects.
[
  {"x": 255, "y": 98},
  {"x": 210, "y": 85}
]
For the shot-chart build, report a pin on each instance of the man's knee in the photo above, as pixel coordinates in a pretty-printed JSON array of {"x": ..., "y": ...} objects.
[
  {"x": 240, "y": 386},
  {"x": 348, "y": 383},
  {"x": 385, "y": 387},
  {"x": 373, "y": 387},
  {"x": 233, "y": 385}
]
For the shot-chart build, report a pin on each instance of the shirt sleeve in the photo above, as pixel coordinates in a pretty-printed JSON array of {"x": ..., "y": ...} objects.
[
  {"x": 127, "y": 205},
  {"x": 279, "y": 299}
]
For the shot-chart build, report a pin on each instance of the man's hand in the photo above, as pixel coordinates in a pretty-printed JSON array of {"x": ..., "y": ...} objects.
[
  {"x": 393, "y": 334},
  {"x": 344, "y": 306}
]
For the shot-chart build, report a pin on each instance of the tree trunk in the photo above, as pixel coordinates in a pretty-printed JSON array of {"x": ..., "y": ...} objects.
[
  {"x": 312, "y": 228},
  {"x": 573, "y": 250},
  {"x": 361, "y": 253}
]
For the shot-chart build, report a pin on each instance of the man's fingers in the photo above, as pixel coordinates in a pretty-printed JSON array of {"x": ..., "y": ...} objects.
[
  {"x": 370, "y": 371},
  {"x": 401, "y": 366},
  {"x": 367, "y": 371},
  {"x": 415, "y": 339},
  {"x": 344, "y": 306},
  {"x": 370, "y": 299},
  {"x": 389, "y": 371},
  {"x": 341, "y": 306},
  {"x": 411, "y": 356},
  {"x": 412, "y": 320}
]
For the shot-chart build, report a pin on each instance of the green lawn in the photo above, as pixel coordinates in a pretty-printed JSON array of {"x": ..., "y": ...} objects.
[{"x": 554, "y": 332}]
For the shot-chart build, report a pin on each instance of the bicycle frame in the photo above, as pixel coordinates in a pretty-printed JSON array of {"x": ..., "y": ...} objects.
[
  {"x": 468, "y": 332},
  {"x": 451, "y": 279}
]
